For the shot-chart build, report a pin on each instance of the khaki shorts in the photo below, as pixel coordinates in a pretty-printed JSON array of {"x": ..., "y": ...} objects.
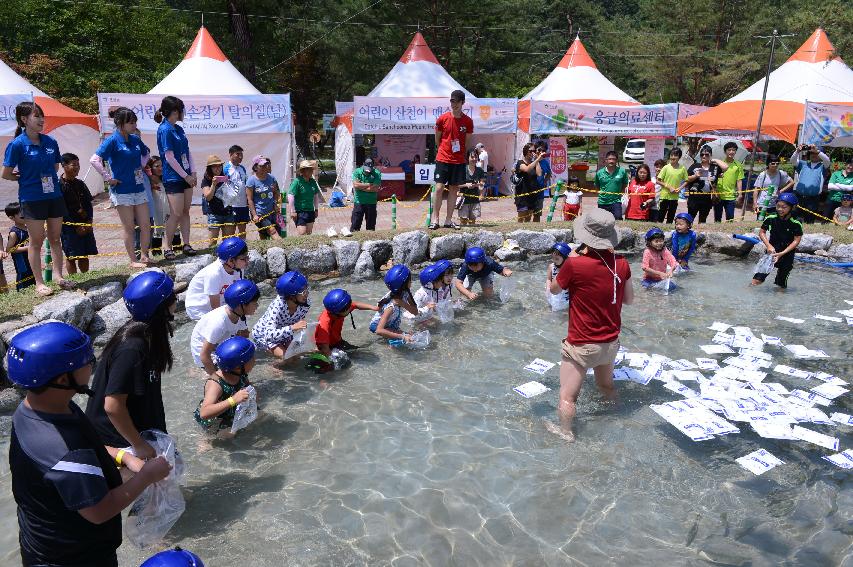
[{"x": 592, "y": 354}]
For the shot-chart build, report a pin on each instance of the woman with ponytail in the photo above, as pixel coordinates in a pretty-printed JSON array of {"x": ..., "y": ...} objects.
[
  {"x": 178, "y": 175},
  {"x": 32, "y": 159}
]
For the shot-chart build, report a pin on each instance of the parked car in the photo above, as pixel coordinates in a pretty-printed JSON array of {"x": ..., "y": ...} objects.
[{"x": 635, "y": 151}]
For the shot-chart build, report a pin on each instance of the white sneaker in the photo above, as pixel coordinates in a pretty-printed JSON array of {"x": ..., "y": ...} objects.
[
  {"x": 331, "y": 232},
  {"x": 345, "y": 232}
]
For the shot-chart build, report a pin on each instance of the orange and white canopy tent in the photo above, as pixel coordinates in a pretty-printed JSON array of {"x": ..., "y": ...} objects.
[
  {"x": 75, "y": 132},
  {"x": 577, "y": 79},
  {"x": 814, "y": 73}
]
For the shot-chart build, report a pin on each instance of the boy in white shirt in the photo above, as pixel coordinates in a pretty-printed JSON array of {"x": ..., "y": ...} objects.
[
  {"x": 237, "y": 177},
  {"x": 207, "y": 287},
  {"x": 241, "y": 300}
]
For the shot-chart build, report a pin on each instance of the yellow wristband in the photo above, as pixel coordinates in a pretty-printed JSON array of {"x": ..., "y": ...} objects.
[
  {"x": 231, "y": 402},
  {"x": 119, "y": 456}
]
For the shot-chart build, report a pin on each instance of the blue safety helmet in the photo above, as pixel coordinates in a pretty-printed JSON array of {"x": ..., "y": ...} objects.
[
  {"x": 146, "y": 292},
  {"x": 444, "y": 265},
  {"x": 40, "y": 353},
  {"x": 397, "y": 277},
  {"x": 789, "y": 198},
  {"x": 686, "y": 216},
  {"x": 434, "y": 271},
  {"x": 337, "y": 301},
  {"x": 562, "y": 249},
  {"x": 241, "y": 292},
  {"x": 475, "y": 255},
  {"x": 290, "y": 284},
  {"x": 174, "y": 558},
  {"x": 233, "y": 353},
  {"x": 654, "y": 233},
  {"x": 231, "y": 247}
]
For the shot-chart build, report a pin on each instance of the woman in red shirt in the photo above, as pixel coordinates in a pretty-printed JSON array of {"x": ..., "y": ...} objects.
[{"x": 641, "y": 194}]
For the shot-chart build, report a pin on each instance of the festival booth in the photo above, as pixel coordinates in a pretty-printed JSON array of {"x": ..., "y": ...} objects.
[
  {"x": 401, "y": 112},
  {"x": 813, "y": 73},
  {"x": 74, "y": 131},
  {"x": 222, "y": 109}
]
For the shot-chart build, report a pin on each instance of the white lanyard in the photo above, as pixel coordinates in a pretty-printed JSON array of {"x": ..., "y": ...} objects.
[{"x": 616, "y": 278}]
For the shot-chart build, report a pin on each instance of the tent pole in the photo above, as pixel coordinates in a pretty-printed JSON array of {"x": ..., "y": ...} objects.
[{"x": 760, "y": 117}]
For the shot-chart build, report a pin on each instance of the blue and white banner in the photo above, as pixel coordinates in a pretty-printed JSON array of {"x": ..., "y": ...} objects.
[
  {"x": 239, "y": 114},
  {"x": 7, "y": 111},
  {"x": 553, "y": 117},
  {"x": 828, "y": 125},
  {"x": 373, "y": 115}
]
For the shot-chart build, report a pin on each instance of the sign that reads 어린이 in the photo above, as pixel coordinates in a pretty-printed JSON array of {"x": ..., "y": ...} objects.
[{"x": 374, "y": 115}]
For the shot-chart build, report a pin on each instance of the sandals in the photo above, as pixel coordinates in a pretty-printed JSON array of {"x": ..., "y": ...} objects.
[
  {"x": 452, "y": 225},
  {"x": 169, "y": 254},
  {"x": 189, "y": 250},
  {"x": 66, "y": 285}
]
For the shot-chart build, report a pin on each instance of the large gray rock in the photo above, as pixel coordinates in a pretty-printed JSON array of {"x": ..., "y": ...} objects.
[
  {"x": 346, "y": 255},
  {"x": 103, "y": 295},
  {"x": 70, "y": 307},
  {"x": 410, "y": 248},
  {"x": 626, "y": 238},
  {"x": 107, "y": 321},
  {"x": 448, "y": 246},
  {"x": 560, "y": 234},
  {"x": 10, "y": 334},
  {"x": 379, "y": 250},
  {"x": 843, "y": 252},
  {"x": 811, "y": 243},
  {"x": 133, "y": 275},
  {"x": 266, "y": 288},
  {"x": 726, "y": 244},
  {"x": 533, "y": 241},
  {"x": 510, "y": 254},
  {"x": 318, "y": 261},
  {"x": 364, "y": 267},
  {"x": 276, "y": 261},
  {"x": 10, "y": 398},
  {"x": 9, "y": 329},
  {"x": 486, "y": 239},
  {"x": 256, "y": 270},
  {"x": 185, "y": 271}
]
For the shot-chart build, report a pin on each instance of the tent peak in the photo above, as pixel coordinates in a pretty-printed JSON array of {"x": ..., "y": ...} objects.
[
  {"x": 205, "y": 46},
  {"x": 418, "y": 50},
  {"x": 816, "y": 49},
  {"x": 576, "y": 56}
]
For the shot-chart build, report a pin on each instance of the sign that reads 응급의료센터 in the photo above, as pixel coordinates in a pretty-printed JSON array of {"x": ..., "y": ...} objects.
[
  {"x": 578, "y": 119},
  {"x": 374, "y": 115}
]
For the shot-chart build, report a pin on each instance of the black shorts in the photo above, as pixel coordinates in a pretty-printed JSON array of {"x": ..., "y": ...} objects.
[
  {"x": 305, "y": 217},
  {"x": 43, "y": 210},
  {"x": 175, "y": 187},
  {"x": 265, "y": 222},
  {"x": 449, "y": 173},
  {"x": 530, "y": 203}
]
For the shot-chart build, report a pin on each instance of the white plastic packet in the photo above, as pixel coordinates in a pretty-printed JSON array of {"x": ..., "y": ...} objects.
[
  {"x": 303, "y": 341},
  {"x": 331, "y": 232},
  {"x": 444, "y": 311},
  {"x": 507, "y": 289},
  {"x": 245, "y": 412},
  {"x": 764, "y": 265},
  {"x": 339, "y": 359},
  {"x": 419, "y": 340},
  {"x": 156, "y": 510},
  {"x": 558, "y": 301}
]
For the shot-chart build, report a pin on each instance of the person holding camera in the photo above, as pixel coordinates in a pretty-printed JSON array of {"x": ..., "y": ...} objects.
[
  {"x": 529, "y": 196},
  {"x": 451, "y": 129},
  {"x": 812, "y": 167}
]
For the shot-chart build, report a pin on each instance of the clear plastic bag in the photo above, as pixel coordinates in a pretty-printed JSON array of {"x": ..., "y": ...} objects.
[
  {"x": 444, "y": 311},
  {"x": 303, "y": 341},
  {"x": 245, "y": 412},
  {"x": 339, "y": 359},
  {"x": 507, "y": 289},
  {"x": 161, "y": 504},
  {"x": 419, "y": 340},
  {"x": 558, "y": 301},
  {"x": 764, "y": 265}
]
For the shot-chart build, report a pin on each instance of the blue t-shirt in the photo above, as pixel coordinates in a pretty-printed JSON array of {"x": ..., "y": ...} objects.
[
  {"x": 19, "y": 259},
  {"x": 683, "y": 245},
  {"x": 171, "y": 138},
  {"x": 810, "y": 180},
  {"x": 489, "y": 266},
  {"x": 36, "y": 165},
  {"x": 125, "y": 159},
  {"x": 262, "y": 193}
]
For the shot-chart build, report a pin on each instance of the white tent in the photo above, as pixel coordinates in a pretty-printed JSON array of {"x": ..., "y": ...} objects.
[
  {"x": 74, "y": 131},
  {"x": 417, "y": 74}
]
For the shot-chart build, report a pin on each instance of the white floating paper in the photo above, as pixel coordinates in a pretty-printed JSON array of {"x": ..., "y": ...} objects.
[
  {"x": 718, "y": 326},
  {"x": 687, "y": 375},
  {"x": 810, "y": 397},
  {"x": 828, "y": 378},
  {"x": 770, "y": 388},
  {"x": 680, "y": 388},
  {"x": 682, "y": 364},
  {"x": 631, "y": 375},
  {"x": 716, "y": 349},
  {"x": 531, "y": 389},
  {"x": 637, "y": 359},
  {"x": 768, "y": 340},
  {"x": 849, "y": 321},
  {"x": 842, "y": 418},
  {"x": 814, "y": 437},
  {"x": 773, "y": 430},
  {"x": 788, "y": 371},
  {"x": 829, "y": 391},
  {"x": 723, "y": 339},
  {"x": 707, "y": 363},
  {"x": 802, "y": 351},
  {"x": 791, "y": 320},
  {"x": 845, "y": 312},
  {"x": 843, "y": 459},
  {"x": 829, "y": 318},
  {"x": 848, "y": 302},
  {"x": 540, "y": 366},
  {"x": 759, "y": 462}
]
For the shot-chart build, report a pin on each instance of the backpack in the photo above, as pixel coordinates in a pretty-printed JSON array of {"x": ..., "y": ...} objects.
[
  {"x": 336, "y": 199},
  {"x": 517, "y": 180}
]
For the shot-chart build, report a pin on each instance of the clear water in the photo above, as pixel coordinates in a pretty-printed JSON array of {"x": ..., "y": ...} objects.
[{"x": 429, "y": 458}]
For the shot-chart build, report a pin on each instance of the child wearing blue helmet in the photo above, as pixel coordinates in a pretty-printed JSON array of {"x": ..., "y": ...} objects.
[
  {"x": 241, "y": 301},
  {"x": 338, "y": 304},
  {"x": 285, "y": 315},
  {"x": 389, "y": 315},
  {"x": 207, "y": 287},
  {"x": 785, "y": 235},
  {"x": 658, "y": 262},
  {"x": 65, "y": 482},
  {"x": 559, "y": 253},
  {"x": 174, "y": 557},
  {"x": 683, "y": 239},
  {"x": 226, "y": 388},
  {"x": 436, "y": 280},
  {"x": 478, "y": 268}
]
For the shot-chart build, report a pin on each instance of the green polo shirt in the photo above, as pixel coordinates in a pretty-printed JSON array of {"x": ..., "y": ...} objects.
[
  {"x": 610, "y": 186},
  {"x": 727, "y": 184},
  {"x": 303, "y": 193},
  {"x": 839, "y": 177},
  {"x": 374, "y": 178}
]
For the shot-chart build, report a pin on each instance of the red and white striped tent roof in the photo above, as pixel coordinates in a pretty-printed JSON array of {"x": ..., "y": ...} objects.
[
  {"x": 204, "y": 71},
  {"x": 814, "y": 73},
  {"x": 576, "y": 78}
]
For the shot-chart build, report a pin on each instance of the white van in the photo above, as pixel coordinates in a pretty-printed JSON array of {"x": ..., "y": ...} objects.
[{"x": 635, "y": 151}]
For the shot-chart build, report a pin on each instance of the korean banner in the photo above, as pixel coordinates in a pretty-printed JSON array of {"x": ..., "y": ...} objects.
[
  {"x": 241, "y": 114},
  {"x": 828, "y": 125},
  {"x": 688, "y": 110},
  {"x": 559, "y": 158},
  {"x": 418, "y": 115},
  {"x": 602, "y": 120},
  {"x": 7, "y": 112}
]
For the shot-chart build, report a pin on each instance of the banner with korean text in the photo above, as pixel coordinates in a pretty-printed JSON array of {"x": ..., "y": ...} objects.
[
  {"x": 554, "y": 117},
  {"x": 8, "y": 103},
  {"x": 828, "y": 125},
  {"x": 203, "y": 114},
  {"x": 374, "y": 115}
]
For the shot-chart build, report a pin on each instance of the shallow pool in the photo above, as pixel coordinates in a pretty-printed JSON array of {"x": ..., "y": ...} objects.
[{"x": 414, "y": 458}]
